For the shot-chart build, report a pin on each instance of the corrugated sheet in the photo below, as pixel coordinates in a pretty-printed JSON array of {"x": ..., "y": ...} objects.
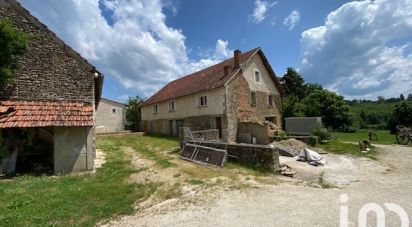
[{"x": 24, "y": 114}]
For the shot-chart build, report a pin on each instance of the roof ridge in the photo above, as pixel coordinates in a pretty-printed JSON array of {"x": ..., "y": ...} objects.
[{"x": 199, "y": 77}]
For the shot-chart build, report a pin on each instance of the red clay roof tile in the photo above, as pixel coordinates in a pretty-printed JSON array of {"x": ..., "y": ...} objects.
[
  {"x": 203, "y": 80},
  {"x": 23, "y": 114}
]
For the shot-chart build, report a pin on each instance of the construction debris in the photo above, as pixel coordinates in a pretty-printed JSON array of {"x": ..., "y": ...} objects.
[
  {"x": 294, "y": 144},
  {"x": 285, "y": 150},
  {"x": 312, "y": 157},
  {"x": 286, "y": 170},
  {"x": 204, "y": 155}
]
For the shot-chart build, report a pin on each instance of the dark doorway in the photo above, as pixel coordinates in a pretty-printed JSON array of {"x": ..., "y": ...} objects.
[
  {"x": 219, "y": 125},
  {"x": 171, "y": 131}
]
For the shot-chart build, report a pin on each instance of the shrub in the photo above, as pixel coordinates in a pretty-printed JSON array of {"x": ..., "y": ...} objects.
[
  {"x": 281, "y": 136},
  {"x": 313, "y": 141},
  {"x": 322, "y": 133}
]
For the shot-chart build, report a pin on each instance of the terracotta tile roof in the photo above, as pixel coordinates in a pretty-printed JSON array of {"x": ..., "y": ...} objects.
[
  {"x": 24, "y": 114},
  {"x": 203, "y": 80}
]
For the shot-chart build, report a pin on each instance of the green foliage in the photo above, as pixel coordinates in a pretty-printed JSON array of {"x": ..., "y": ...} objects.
[
  {"x": 312, "y": 100},
  {"x": 281, "y": 136},
  {"x": 133, "y": 112},
  {"x": 74, "y": 200},
  {"x": 331, "y": 107},
  {"x": 402, "y": 115},
  {"x": 293, "y": 83},
  {"x": 322, "y": 133},
  {"x": 375, "y": 114},
  {"x": 13, "y": 45},
  {"x": 313, "y": 141}
]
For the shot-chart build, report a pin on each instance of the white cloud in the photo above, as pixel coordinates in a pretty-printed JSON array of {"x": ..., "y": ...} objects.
[
  {"x": 292, "y": 20},
  {"x": 259, "y": 12},
  {"x": 138, "y": 49},
  {"x": 359, "y": 51}
]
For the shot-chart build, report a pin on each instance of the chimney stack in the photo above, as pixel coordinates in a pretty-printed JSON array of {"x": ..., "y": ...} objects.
[{"x": 236, "y": 58}]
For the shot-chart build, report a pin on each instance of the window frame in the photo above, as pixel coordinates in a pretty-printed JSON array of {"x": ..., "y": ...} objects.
[
  {"x": 114, "y": 111},
  {"x": 172, "y": 104},
  {"x": 259, "y": 76},
  {"x": 270, "y": 100},
  {"x": 155, "y": 109},
  {"x": 253, "y": 98},
  {"x": 202, "y": 101}
]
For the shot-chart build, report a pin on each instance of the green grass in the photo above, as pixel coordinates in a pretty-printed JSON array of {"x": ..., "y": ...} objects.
[
  {"x": 383, "y": 137},
  {"x": 150, "y": 147},
  {"x": 74, "y": 200},
  {"x": 339, "y": 147},
  {"x": 195, "y": 181}
]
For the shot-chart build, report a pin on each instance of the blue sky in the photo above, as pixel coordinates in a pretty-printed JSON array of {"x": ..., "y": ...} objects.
[{"x": 358, "y": 49}]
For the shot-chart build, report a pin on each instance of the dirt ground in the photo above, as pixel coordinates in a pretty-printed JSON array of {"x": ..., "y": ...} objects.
[{"x": 309, "y": 199}]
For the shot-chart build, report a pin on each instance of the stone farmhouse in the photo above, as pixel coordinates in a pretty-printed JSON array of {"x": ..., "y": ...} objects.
[
  {"x": 47, "y": 114},
  {"x": 240, "y": 97},
  {"x": 110, "y": 116}
]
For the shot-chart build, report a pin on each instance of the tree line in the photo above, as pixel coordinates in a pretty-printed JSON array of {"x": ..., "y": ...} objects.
[{"x": 312, "y": 100}]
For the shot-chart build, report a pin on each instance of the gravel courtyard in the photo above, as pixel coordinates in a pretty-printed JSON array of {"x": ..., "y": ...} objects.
[{"x": 309, "y": 199}]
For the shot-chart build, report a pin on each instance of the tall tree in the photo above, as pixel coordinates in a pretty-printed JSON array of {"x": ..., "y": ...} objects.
[
  {"x": 293, "y": 83},
  {"x": 331, "y": 107},
  {"x": 401, "y": 97},
  {"x": 409, "y": 96},
  {"x": 13, "y": 44},
  {"x": 403, "y": 113},
  {"x": 133, "y": 112}
]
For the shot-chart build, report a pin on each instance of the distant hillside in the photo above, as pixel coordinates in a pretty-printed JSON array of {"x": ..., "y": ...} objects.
[{"x": 374, "y": 114}]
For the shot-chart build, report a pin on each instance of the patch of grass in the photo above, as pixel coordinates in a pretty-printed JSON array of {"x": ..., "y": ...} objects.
[
  {"x": 74, "y": 199},
  {"x": 151, "y": 147},
  {"x": 338, "y": 147},
  {"x": 383, "y": 137},
  {"x": 323, "y": 183},
  {"x": 195, "y": 181},
  {"x": 174, "y": 191}
]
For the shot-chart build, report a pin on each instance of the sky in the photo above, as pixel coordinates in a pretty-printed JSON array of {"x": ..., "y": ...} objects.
[{"x": 359, "y": 49}]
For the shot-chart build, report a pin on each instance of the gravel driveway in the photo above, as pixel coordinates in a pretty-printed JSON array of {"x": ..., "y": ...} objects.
[{"x": 299, "y": 202}]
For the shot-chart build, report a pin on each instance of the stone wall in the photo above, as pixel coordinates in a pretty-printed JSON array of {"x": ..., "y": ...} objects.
[
  {"x": 50, "y": 69},
  {"x": 260, "y": 131},
  {"x": 258, "y": 156},
  {"x": 195, "y": 123},
  {"x": 110, "y": 117}
]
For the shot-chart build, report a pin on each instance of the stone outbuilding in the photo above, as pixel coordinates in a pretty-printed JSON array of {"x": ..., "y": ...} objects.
[
  {"x": 110, "y": 116},
  {"x": 47, "y": 114},
  {"x": 239, "y": 97}
]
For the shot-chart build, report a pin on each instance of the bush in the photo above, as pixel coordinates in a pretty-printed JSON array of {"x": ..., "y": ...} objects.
[
  {"x": 322, "y": 133},
  {"x": 313, "y": 141},
  {"x": 282, "y": 136}
]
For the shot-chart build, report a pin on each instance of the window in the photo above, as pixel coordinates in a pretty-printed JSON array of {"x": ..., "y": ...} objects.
[
  {"x": 172, "y": 106},
  {"x": 257, "y": 76},
  {"x": 203, "y": 100},
  {"x": 253, "y": 98},
  {"x": 155, "y": 109},
  {"x": 113, "y": 111},
  {"x": 270, "y": 98}
]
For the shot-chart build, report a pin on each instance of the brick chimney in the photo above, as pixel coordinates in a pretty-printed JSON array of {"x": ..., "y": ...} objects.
[{"x": 236, "y": 58}]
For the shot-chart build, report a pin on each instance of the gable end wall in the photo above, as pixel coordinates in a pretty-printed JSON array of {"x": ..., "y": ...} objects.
[{"x": 47, "y": 70}]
